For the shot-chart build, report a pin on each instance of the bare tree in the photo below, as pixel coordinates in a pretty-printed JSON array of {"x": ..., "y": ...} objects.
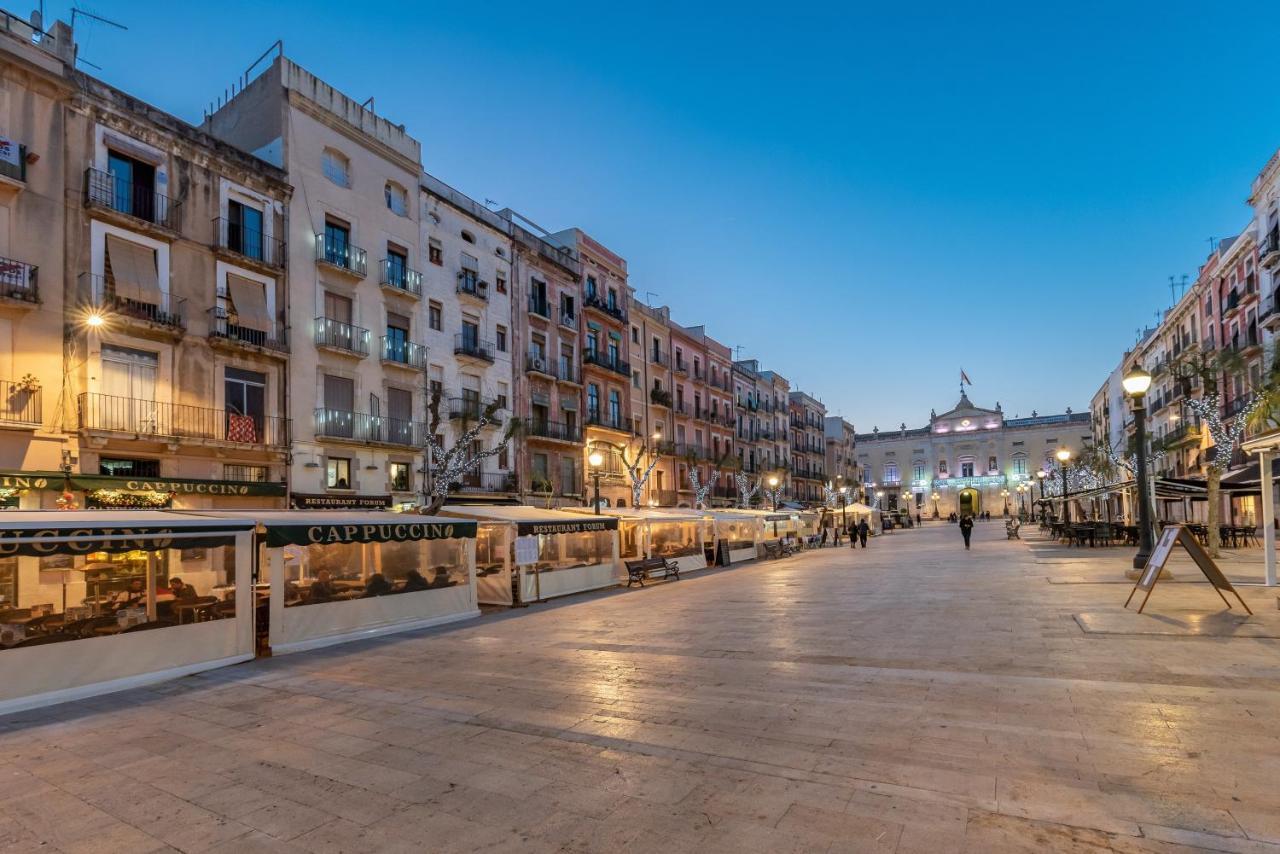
[
  {"x": 636, "y": 469},
  {"x": 447, "y": 466},
  {"x": 1225, "y": 438},
  {"x": 747, "y": 488}
]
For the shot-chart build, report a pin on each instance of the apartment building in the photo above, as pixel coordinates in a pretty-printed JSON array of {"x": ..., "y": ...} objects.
[
  {"x": 808, "y": 446},
  {"x": 841, "y": 459},
  {"x": 761, "y": 428},
  {"x": 709, "y": 421},
  {"x": 653, "y": 398},
  {"x": 468, "y": 283},
  {"x": 358, "y": 360},
  {"x": 549, "y": 379}
]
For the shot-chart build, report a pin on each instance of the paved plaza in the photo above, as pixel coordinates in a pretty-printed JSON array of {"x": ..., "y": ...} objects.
[{"x": 912, "y": 697}]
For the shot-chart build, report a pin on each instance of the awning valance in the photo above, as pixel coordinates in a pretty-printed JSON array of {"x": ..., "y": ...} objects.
[
  {"x": 249, "y": 298},
  {"x": 558, "y": 527},
  {"x": 133, "y": 268}
]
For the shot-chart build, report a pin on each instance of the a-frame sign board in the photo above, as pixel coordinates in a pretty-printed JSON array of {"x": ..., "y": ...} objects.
[{"x": 1173, "y": 535}]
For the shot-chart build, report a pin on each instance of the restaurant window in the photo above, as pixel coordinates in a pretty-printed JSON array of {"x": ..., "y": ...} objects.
[
  {"x": 435, "y": 254},
  {"x": 398, "y": 474},
  {"x": 435, "y": 316},
  {"x": 336, "y": 167},
  {"x": 397, "y": 199},
  {"x": 118, "y": 467},
  {"x": 500, "y": 339},
  {"x": 245, "y": 474},
  {"x": 338, "y": 473}
]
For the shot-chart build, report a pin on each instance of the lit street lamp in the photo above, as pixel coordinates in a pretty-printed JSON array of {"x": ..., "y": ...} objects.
[
  {"x": 596, "y": 459},
  {"x": 1064, "y": 457},
  {"x": 1042, "y": 474},
  {"x": 844, "y": 523},
  {"x": 936, "y": 514},
  {"x": 1004, "y": 493},
  {"x": 1136, "y": 383},
  {"x": 773, "y": 490}
]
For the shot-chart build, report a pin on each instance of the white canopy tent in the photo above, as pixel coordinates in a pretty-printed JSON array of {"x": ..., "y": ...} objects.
[{"x": 669, "y": 533}]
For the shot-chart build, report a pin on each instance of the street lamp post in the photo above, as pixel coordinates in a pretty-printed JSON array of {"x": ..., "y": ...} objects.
[
  {"x": 1041, "y": 475},
  {"x": 1064, "y": 459},
  {"x": 773, "y": 491},
  {"x": 1136, "y": 383},
  {"x": 1004, "y": 493},
  {"x": 596, "y": 459},
  {"x": 936, "y": 514},
  {"x": 844, "y": 519}
]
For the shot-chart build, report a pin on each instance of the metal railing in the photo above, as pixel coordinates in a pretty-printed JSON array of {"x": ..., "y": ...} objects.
[
  {"x": 565, "y": 371},
  {"x": 341, "y": 254},
  {"x": 342, "y": 336},
  {"x": 599, "y": 303},
  {"x": 487, "y": 482},
  {"x": 402, "y": 352},
  {"x": 469, "y": 408},
  {"x": 155, "y": 307},
  {"x": 538, "y": 364},
  {"x": 249, "y": 243},
  {"x": 552, "y": 430},
  {"x": 19, "y": 280},
  {"x": 105, "y": 190},
  {"x": 469, "y": 284},
  {"x": 604, "y": 419},
  {"x": 362, "y": 427},
  {"x": 465, "y": 344},
  {"x": 660, "y": 357},
  {"x": 681, "y": 366},
  {"x": 20, "y": 402},
  {"x": 569, "y": 320},
  {"x": 660, "y": 397},
  {"x": 109, "y": 413},
  {"x": 540, "y": 307},
  {"x": 16, "y": 171},
  {"x": 394, "y": 274},
  {"x": 220, "y": 326},
  {"x": 602, "y": 359}
]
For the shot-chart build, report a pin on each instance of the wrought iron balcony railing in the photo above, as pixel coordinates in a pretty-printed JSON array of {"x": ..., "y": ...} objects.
[
  {"x": 394, "y": 274},
  {"x": 337, "y": 335},
  {"x": 249, "y": 243},
  {"x": 465, "y": 344},
  {"x": 400, "y": 352},
  {"x": 19, "y": 280},
  {"x": 603, "y": 360},
  {"x": 113, "y": 414},
  {"x": 20, "y": 402},
  {"x": 469, "y": 285},
  {"x": 221, "y": 327},
  {"x": 339, "y": 253},
  {"x": 115, "y": 300},
  {"x": 362, "y": 427},
  {"x": 111, "y": 192},
  {"x": 552, "y": 430}
]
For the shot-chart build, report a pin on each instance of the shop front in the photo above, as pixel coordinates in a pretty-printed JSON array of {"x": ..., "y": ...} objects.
[
  {"x": 69, "y": 491},
  {"x": 526, "y": 554},
  {"x": 670, "y": 534},
  {"x": 96, "y": 602},
  {"x": 735, "y": 535}
]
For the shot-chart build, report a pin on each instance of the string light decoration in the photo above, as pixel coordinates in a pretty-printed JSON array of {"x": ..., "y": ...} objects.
[
  {"x": 747, "y": 488},
  {"x": 450, "y": 465},
  {"x": 634, "y": 465},
  {"x": 775, "y": 495},
  {"x": 1225, "y": 436},
  {"x": 829, "y": 495},
  {"x": 701, "y": 490}
]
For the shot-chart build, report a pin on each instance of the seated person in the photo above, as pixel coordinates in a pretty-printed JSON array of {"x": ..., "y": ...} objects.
[
  {"x": 322, "y": 589},
  {"x": 181, "y": 591},
  {"x": 377, "y": 585},
  {"x": 132, "y": 596},
  {"x": 413, "y": 580},
  {"x": 440, "y": 577}
]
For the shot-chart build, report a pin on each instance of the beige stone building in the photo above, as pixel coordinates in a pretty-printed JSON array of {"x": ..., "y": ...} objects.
[
  {"x": 808, "y": 447},
  {"x": 358, "y": 359},
  {"x": 842, "y": 460}
]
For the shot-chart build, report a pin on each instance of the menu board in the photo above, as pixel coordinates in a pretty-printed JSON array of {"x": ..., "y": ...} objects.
[{"x": 1169, "y": 537}]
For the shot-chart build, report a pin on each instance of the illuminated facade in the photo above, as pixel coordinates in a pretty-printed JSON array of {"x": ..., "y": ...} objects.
[{"x": 968, "y": 456}]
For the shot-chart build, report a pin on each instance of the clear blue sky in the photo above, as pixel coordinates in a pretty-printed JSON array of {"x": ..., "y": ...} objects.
[{"x": 863, "y": 198}]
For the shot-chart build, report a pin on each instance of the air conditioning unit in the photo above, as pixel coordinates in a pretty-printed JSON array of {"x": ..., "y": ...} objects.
[{"x": 538, "y": 364}]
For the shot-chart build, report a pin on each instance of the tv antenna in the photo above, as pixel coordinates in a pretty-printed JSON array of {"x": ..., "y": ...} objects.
[
  {"x": 648, "y": 298},
  {"x": 490, "y": 203},
  {"x": 77, "y": 11},
  {"x": 1179, "y": 286}
]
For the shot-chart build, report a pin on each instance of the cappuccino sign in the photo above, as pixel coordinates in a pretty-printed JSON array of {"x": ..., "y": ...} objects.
[
  {"x": 88, "y": 540},
  {"x": 375, "y": 532}
]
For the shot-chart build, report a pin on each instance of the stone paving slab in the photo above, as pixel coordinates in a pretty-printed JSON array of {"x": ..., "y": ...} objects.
[
  {"x": 1187, "y": 624},
  {"x": 910, "y": 697}
]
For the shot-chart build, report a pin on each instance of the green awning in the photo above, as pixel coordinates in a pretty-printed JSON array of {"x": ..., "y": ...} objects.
[{"x": 339, "y": 531}]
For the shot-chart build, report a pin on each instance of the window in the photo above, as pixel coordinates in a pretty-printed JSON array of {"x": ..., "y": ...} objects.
[
  {"x": 613, "y": 299},
  {"x": 397, "y": 266},
  {"x": 917, "y": 471},
  {"x": 470, "y": 334},
  {"x": 635, "y": 379},
  {"x": 615, "y": 407},
  {"x": 245, "y": 474},
  {"x": 635, "y": 335},
  {"x": 398, "y": 474},
  {"x": 128, "y": 468},
  {"x": 133, "y": 187},
  {"x": 891, "y": 473},
  {"x": 468, "y": 236},
  {"x": 245, "y": 393},
  {"x": 338, "y": 473},
  {"x": 337, "y": 243},
  {"x": 500, "y": 338},
  {"x": 435, "y": 316},
  {"x": 397, "y": 347},
  {"x": 397, "y": 199},
  {"x": 435, "y": 254},
  {"x": 593, "y": 402},
  {"x": 966, "y": 468},
  {"x": 500, "y": 283},
  {"x": 1019, "y": 465},
  {"x": 244, "y": 230},
  {"x": 336, "y": 167},
  {"x": 591, "y": 286}
]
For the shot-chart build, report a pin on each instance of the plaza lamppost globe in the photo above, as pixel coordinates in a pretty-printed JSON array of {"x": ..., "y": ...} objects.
[
  {"x": 596, "y": 459},
  {"x": 773, "y": 490},
  {"x": 936, "y": 514},
  {"x": 1041, "y": 475},
  {"x": 1004, "y": 494},
  {"x": 843, "y": 519},
  {"x": 1136, "y": 383},
  {"x": 1064, "y": 458}
]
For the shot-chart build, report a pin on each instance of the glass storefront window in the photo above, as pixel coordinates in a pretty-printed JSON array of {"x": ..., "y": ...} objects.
[
  {"x": 337, "y": 572},
  {"x": 674, "y": 539}
]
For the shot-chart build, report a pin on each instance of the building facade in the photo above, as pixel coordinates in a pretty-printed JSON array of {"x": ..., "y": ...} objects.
[
  {"x": 971, "y": 458},
  {"x": 842, "y": 460},
  {"x": 808, "y": 417}
]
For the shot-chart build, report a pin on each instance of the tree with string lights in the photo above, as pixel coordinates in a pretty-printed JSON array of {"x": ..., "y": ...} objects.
[
  {"x": 1226, "y": 436},
  {"x": 448, "y": 465},
  {"x": 747, "y": 488}
]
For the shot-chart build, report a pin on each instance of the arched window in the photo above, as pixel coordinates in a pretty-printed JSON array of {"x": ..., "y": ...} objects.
[
  {"x": 397, "y": 199},
  {"x": 468, "y": 236},
  {"x": 336, "y": 167}
]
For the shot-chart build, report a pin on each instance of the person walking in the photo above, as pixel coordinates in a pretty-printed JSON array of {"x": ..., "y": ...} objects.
[
  {"x": 863, "y": 530},
  {"x": 824, "y": 536},
  {"x": 966, "y": 530}
]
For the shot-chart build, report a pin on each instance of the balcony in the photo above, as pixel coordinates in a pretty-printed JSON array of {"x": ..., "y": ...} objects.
[
  {"x": 19, "y": 282},
  {"x": 660, "y": 357},
  {"x": 607, "y": 422},
  {"x": 222, "y": 329},
  {"x": 469, "y": 285},
  {"x": 471, "y": 408},
  {"x": 154, "y": 310},
  {"x": 566, "y": 373},
  {"x": 539, "y": 307},
  {"x": 692, "y": 451},
  {"x": 359, "y": 427},
  {"x": 1183, "y": 433},
  {"x": 1235, "y": 406},
  {"x": 338, "y": 254},
  {"x": 603, "y": 360},
  {"x": 405, "y": 354},
  {"x": 542, "y": 429},
  {"x": 609, "y": 308},
  {"x": 341, "y": 337},
  {"x": 569, "y": 320},
  {"x": 103, "y": 413},
  {"x": 487, "y": 483},
  {"x": 249, "y": 244},
  {"x": 399, "y": 279},
  {"x": 15, "y": 173},
  {"x": 1269, "y": 251},
  {"x": 469, "y": 346},
  {"x": 107, "y": 192},
  {"x": 660, "y": 397},
  {"x": 20, "y": 403},
  {"x": 681, "y": 367},
  {"x": 537, "y": 363}
]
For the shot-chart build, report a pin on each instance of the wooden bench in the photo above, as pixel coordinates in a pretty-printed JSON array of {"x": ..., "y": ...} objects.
[{"x": 639, "y": 570}]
